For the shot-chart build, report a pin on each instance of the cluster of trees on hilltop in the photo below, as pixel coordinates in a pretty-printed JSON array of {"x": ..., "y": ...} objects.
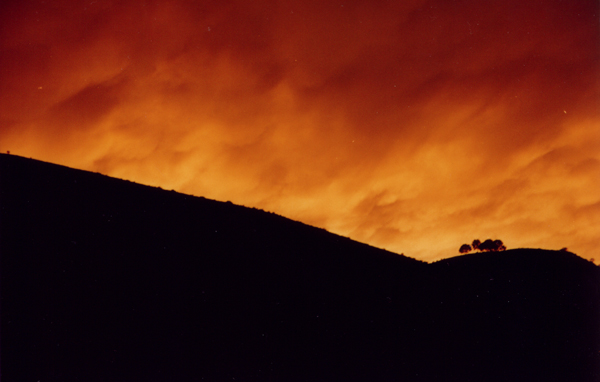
[{"x": 487, "y": 246}]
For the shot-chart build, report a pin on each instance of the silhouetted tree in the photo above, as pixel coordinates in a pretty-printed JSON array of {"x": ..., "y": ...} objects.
[
  {"x": 492, "y": 246},
  {"x": 499, "y": 245},
  {"x": 487, "y": 246},
  {"x": 465, "y": 248}
]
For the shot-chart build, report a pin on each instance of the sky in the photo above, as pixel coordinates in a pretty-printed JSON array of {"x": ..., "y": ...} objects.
[{"x": 414, "y": 126}]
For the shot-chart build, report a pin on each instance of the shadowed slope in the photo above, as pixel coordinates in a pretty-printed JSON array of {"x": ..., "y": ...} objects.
[
  {"x": 112, "y": 278},
  {"x": 104, "y": 279},
  {"x": 526, "y": 314}
]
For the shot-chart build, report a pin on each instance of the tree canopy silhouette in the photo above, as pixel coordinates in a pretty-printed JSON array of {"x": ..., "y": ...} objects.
[
  {"x": 465, "y": 248},
  {"x": 492, "y": 246},
  {"x": 487, "y": 246}
]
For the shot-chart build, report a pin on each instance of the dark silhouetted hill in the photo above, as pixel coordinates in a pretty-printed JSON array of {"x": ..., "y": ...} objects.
[{"x": 107, "y": 280}]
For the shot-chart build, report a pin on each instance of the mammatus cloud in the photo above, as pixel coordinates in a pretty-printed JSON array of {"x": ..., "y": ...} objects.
[{"x": 413, "y": 127}]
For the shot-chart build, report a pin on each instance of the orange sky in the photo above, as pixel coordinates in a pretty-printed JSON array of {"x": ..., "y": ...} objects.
[{"x": 414, "y": 126}]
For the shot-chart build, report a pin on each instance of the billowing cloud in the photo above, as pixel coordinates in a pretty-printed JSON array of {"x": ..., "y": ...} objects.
[{"x": 414, "y": 127}]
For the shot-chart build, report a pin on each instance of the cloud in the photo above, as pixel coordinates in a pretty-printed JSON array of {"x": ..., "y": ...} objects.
[{"x": 386, "y": 122}]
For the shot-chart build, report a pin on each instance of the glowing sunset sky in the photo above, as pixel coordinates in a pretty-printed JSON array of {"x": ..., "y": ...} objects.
[{"x": 414, "y": 126}]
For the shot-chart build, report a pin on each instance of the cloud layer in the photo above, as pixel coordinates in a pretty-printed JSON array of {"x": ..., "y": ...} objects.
[{"x": 415, "y": 127}]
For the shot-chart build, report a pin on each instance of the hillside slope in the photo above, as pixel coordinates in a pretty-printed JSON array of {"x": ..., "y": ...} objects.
[
  {"x": 526, "y": 314},
  {"x": 104, "y": 279}
]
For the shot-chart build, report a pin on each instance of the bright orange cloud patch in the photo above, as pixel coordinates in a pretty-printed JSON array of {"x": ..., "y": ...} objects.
[{"x": 414, "y": 127}]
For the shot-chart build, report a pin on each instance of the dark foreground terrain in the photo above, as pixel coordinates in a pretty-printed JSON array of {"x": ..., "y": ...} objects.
[{"x": 108, "y": 280}]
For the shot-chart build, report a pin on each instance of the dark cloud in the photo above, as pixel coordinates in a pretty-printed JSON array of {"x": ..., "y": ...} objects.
[{"x": 87, "y": 107}]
